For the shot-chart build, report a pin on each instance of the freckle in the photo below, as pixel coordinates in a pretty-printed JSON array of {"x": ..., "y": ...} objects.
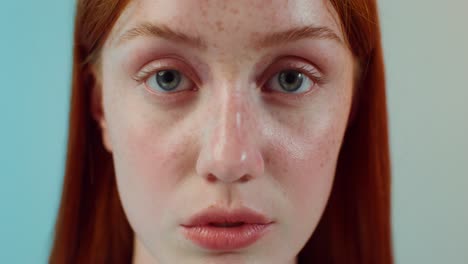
[
  {"x": 219, "y": 26},
  {"x": 267, "y": 161},
  {"x": 224, "y": 5},
  {"x": 234, "y": 11},
  {"x": 254, "y": 34}
]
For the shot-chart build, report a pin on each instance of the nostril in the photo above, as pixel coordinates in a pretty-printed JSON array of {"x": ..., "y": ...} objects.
[
  {"x": 211, "y": 178},
  {"x": 245, "y": 178}
]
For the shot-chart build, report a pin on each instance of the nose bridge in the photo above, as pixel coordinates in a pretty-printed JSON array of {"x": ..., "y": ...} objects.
[
  {"x": 231, "y": 150},
  {"x": 230, "y": 135}
]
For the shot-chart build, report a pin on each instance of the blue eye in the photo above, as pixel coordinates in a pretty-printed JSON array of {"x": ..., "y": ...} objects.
[
  {"x": 168, "y": 81},
  {"x": 290, "y": 81}
]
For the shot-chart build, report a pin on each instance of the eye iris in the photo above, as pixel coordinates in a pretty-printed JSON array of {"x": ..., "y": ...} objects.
[
  {"x": 290, "y": 80},
  {"x": 168, "y": 79}
]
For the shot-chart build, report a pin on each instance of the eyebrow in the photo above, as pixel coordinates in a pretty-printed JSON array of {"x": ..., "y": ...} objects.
[
  {"x": 267, "y": 40},
  {"x": 295, "y": 34},
  {"x": 160, "y": 31}
]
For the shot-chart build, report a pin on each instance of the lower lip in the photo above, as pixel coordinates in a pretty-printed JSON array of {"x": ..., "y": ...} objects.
[{"x": 225, "y": 238}]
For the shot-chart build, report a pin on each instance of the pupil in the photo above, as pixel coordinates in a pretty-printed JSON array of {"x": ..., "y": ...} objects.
[
  {"x": 290, "y": 80},
  {"x": 168, "y": 80},
  {"x": 168, "y": 77}
]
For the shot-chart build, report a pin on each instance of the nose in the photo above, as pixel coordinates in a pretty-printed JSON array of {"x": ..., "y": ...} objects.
[{"x": 231, "y": 149}]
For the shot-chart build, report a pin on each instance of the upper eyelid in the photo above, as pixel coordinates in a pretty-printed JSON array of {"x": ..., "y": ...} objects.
[
  {"x": 163, "y": 64},
  {"x": 304, "y": 64}
]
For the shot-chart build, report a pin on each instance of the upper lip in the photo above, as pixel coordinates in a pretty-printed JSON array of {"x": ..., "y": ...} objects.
[{"x": 219, "y": 215}]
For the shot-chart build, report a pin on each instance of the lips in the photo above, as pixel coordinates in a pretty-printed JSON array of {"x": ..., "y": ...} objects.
[
  {"x": 224, "y": 217},
  {"x": 222, "y": 229}
]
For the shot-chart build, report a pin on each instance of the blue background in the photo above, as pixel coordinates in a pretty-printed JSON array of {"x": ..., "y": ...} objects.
[
  {"x": 426, "y": 52},
  {"x": 35, "y": 69}
]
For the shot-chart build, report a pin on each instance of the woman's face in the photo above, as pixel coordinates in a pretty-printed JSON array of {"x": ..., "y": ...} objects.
[{"x": 227, "y": 105}]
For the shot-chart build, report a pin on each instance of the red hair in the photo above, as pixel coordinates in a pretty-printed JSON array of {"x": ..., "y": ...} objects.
[{"x": 355, "y": 227}]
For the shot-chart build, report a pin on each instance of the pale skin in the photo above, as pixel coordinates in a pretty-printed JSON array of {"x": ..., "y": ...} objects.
[{"x": 229, "y": 134}]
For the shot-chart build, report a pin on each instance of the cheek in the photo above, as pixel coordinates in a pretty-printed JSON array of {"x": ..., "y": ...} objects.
[
  {"x": 308, "y": 181},
  {"x": 149, "y": 162},
  {"x": 145, "y": 143},
  {"x": 315, "y": 173},
  {"x": 141, "y": 175},
  {"x": 304, "y": 163},
  {"x": 307, "y": 168}
]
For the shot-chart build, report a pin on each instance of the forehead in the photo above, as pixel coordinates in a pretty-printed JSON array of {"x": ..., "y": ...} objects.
[{"x": 228, "y": 22}]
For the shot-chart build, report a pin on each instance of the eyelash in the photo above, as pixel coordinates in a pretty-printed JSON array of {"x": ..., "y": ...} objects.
[
  {"x": 151, "y": 69},
  {"x": 308, "y": 70}
]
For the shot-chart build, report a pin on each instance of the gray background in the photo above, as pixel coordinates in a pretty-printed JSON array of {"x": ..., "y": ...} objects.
[{"x": 426, "y": 52}]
